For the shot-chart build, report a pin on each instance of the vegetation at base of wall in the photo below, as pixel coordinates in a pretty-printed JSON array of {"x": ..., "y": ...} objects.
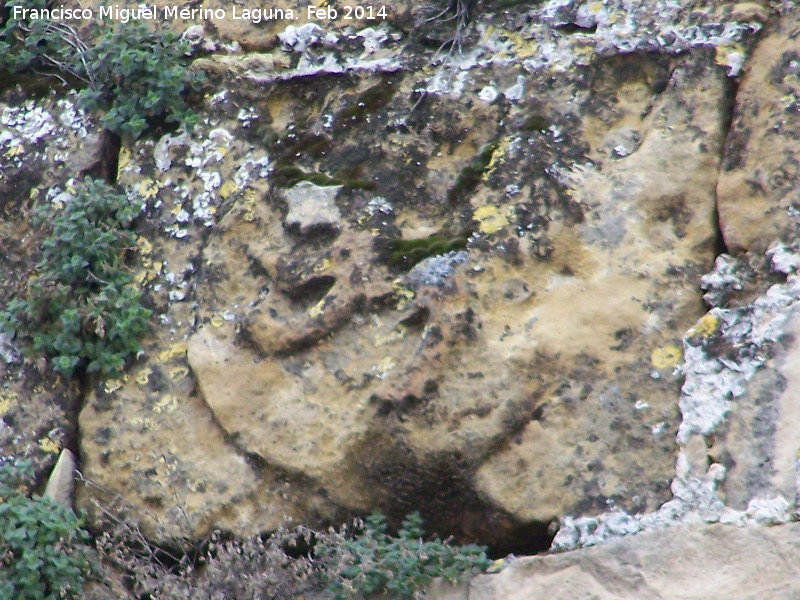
[
  {"x": 343, "y": 563},
  {"x": 130, "y": 74},
  {"x": 80, "y": 308},
  {"x": 44, "y": 552},
  {"x": 374, "y": 562}
]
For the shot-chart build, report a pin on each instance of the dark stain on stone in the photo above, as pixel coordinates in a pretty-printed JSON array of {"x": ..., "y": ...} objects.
[
  {"x": 439, "y": 486},
  {"x": 360, "y": 107},
  {"x": 417, "y": 319},
  {"x": 624, "y": 338}
]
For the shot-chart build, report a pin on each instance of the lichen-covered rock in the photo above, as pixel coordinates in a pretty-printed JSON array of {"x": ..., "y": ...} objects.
[
  {"x": 738, "y": 458},
  {"x": 38, "y": 140},
  {"x": 757, "y": 190},
  {"x": 484, "y": 322},
  {"x": 661, "y": 195}
]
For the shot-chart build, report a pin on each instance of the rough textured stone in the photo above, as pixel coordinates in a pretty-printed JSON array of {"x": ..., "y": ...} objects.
[
  {"x": 680, "y": 563},
  {"x": 150, "y": 429},
  {"x": 312, "y": 207},
  {"x": 759, "y": 443},
  {"x": 738, "y": 458},
  {"x": 757, "y": 190},
  {"x": 488, "y": 326},
  {"x": 367, "y": 383},
  {"x": 61, "y": 483}
]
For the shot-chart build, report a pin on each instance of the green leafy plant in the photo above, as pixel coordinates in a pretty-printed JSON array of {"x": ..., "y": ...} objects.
[
  {"x": 80, "y": 308},
  {"x": 44, "y": 552},
  {"x": 143, "y": 77},
  {"x": 130, "y": 73},
  {"x": 374, "y": 562}
]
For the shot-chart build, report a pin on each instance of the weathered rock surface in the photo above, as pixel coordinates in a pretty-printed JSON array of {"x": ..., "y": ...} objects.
[
  {"x": 680, "y": 563},
  {"x": 357, "y": 386},
  {"x": 757, "y": 190},
  {"x": 738, "y": 447},
  {"x": 481, "y": 313}
]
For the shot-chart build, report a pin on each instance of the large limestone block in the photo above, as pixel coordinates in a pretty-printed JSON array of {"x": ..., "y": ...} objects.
[
  {"x": 680, "y": 563},
  {"x": 609, "y": 427},
  {"x": 525, "y": 371},
  {"x": 757, "y": 190},
  {"x": 150, "y": 438}
]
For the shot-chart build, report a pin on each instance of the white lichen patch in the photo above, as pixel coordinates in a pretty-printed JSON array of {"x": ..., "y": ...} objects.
[
  {"x": 195, "y": 199},
  {"x": 604, "y": 28},
  {"x": 436, "y": 270},
  {"x": 713, "y": 382},
  {"x": 30, "y": 122},
  {"x": 251, "y": 168},
  {"x": 246, "y": 116},
  {"x": 320, "y": 51},
  {"x": 73, "y": 118}
]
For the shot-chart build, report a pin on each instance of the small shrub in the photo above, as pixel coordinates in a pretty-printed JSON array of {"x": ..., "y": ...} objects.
[
  {"x": 130, "y": 73},
  {"x": 43, "y": 549},
  {"x": 137, "y": 74},
  {"x": 80, "y": 308},
  {"x": 403, "y": 566}
]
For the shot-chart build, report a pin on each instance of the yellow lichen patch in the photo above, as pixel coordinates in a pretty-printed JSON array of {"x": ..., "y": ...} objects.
[
  {"x": 228, "y": 189},
  {"x": 148, "y": 188},
  {"x": 143, "y": 377},
  {"x": 317, "y": 309},
  {"x": 490, "y": 219},
  {"x": 583, "y": 54},
  {"x": 178, "y": 373},
  {"x": 176, "y": 349},
  {"x": 706, "y": 326},
  {"x": 15, "y": 150},
  {"x": 166, "y": 404},
  {"x": 322, "y": 266},
  {"x": 666, "y": 357},
  {"x": 217, "y": 321},
  {"x": 249, "y": 206},
  {"x": 147, "y": 274},
  {"x": 7, "y": 403},
  {"x": 143, "y": 245},
  {"x": 112, "y": 385},
  {"x": 49, "y": 446},
  {"x": 527, "y": 49},
  {"x": 124, "y": 160},
  {"x": 403, "y": 294},
  {"x": 497, "y": 157}
]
